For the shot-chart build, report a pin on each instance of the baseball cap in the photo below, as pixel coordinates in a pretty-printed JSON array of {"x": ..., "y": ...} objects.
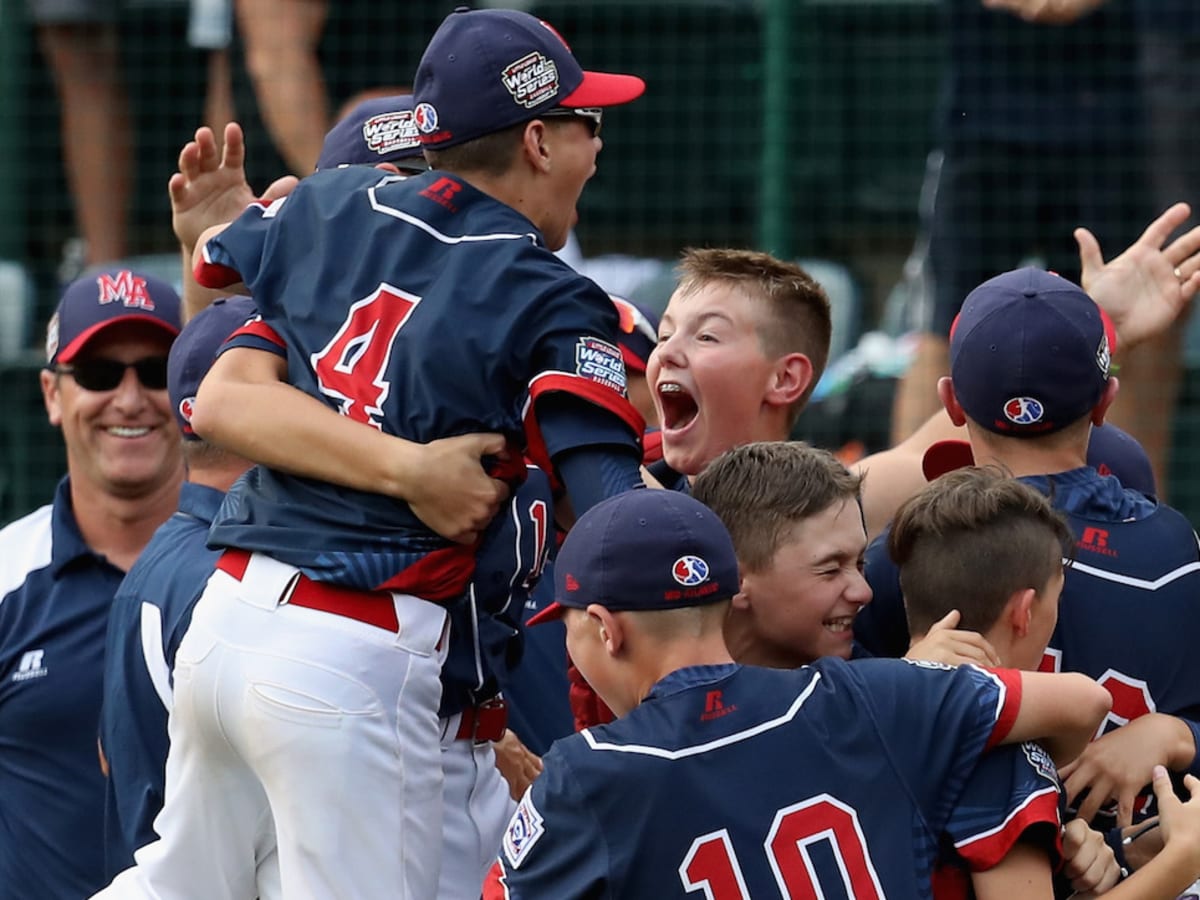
[
  {"x": 638, "y": 334},
  {"x": 487, "y": 69},
  {"x": 195, "y": 350},
  {"x": 644, "y": 549},
  {"x": 1111, "y": 451},
  {"x": 101, "y": 299},
  {"x": 1029, "y": 353},
  {"x": 380, "y": 129}
]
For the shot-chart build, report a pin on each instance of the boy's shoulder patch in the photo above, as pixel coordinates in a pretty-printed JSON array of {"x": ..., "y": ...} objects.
[{"x": 524, "y": 830}]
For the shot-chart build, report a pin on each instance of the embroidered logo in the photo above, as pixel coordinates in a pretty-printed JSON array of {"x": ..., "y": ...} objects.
[
  {"x": 532, "y": 79},
  {"x": 690, "y": 570},
  {"x": 391, "y": 132},
  {"x": 126, "y": 287},
  {"x": 524, "y": 830},
  {"x": 31, "y": 666},
  {"x": 600, "y": 362},
  {"x": 1024, "y": 410}
]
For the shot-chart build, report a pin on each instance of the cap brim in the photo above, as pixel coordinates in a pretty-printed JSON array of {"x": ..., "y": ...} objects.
[
  {"x": 604, "y": 89},
  {"x": 946, "y": 456},
  {"x": 633, "y": 362},
  {"x": 551, "y": 613},
  {"x": 69, "y": 351}
]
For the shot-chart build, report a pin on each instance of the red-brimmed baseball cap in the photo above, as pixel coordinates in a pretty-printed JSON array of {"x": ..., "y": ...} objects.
[
  {"x": 99, "y": 300},
  {"x": 487, "y": 69},
  {"x": 644, "y": 550}
]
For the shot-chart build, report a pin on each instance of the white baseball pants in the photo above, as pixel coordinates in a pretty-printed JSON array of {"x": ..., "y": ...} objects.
[{"x": 325, "y": 726}]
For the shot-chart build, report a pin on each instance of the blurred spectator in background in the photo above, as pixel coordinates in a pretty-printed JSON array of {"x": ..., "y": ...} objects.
[
  {"x": 1041, "y": 132},
  {"x": 79, "y": 41},
  {"x": 281, "y": 39},
  {"x": 210, "y": 28},
  {"x": 1168, "y": 53}
]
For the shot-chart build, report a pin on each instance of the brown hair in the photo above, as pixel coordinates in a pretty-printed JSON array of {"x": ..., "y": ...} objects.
[
  {"x": 762, "y": 490},
  {"x": 797, "y": 306},
  {"x": 490, "y": 154},
  {"x": 969, "y": 541}
]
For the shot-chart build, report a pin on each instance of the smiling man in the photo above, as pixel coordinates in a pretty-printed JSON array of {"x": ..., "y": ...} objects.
[{"x": 105, "y": 386}]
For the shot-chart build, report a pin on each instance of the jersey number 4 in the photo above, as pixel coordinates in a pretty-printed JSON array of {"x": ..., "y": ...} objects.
[
  {"x": 711, "y": 865},
  {"x": 352, "y": 369}
]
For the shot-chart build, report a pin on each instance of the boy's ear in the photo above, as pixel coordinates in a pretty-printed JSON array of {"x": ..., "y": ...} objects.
[
  {"x": 1018, "y": 612},
  {"x": 793, "y": 375},
  {"x": 612, "y": 632},
  {"x": 954, "y": 410},
  {"x": 741, "y": 600},
  {"x": 1100, "y": 410}
]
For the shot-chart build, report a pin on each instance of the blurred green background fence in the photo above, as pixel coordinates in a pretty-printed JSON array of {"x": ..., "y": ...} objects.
[{"x": 796, "y": 126}]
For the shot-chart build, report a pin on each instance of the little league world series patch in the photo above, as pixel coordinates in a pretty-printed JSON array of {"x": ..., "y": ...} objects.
[{"x": 601, "y": 362}]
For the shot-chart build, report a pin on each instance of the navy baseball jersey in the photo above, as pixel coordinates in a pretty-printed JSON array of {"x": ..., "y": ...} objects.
[
  {"x": 836, "y": 779},
  {"x": 537, "y": 691},
  {"x": 486, "y": 637},
  {"x": 150, "y": 613},
  {"x": 55, "y": 595},
  {"x": 1013, "y": 794},
  {"x": 432, "y": 310},
  {"x": 1129, "y": 606},
  {"x": 485, "y": 647}
]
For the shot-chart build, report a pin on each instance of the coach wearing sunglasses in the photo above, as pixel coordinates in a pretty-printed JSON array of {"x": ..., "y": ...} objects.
[{"x": 105, "y": 386}]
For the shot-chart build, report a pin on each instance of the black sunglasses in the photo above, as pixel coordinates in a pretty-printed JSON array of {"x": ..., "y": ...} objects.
[
  {"x": 106, "y": 374},
  {"x": 592, "y": 117}
]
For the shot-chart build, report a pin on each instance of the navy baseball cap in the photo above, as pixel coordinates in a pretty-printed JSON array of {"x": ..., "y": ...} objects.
[
  {"x": 644, "y": 549},
  {"x": 377, "y": 130},
  {"x": 96, "y": 301},
  {"x": 487, "y": 69},
  {"x": 638, "y": 333},
  {"x": 1111, "y": 451},
  {"x": 1029, "y": 353},
  {"x": 195, "y": 350}
]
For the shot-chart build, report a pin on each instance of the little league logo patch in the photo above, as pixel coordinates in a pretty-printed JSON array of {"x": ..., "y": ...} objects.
[
  {"x": 690, "y": 571},
  {"x": 532, "y": 79},
  {"x": 601, "y": 362},
  {"x": 391, "y": 132},
  {"x": 1104, "y": 356},
  {"x": 524, "y": 830},
  {"x": 1024, "y": 410},
  {"x": 426, "y": 118}
]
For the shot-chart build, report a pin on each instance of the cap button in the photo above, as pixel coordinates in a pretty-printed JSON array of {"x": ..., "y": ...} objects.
[{"x": 1030, "y": 292}]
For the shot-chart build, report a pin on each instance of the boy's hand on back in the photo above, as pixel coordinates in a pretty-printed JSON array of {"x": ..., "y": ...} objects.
[
  {"x": 1117, "y": 765},
  {"x": 451, "y": 492},
  {"x": 945, "y": 644}
]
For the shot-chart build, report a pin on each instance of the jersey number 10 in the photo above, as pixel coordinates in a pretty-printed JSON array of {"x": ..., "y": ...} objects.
[{"x": 711, "y": 865}]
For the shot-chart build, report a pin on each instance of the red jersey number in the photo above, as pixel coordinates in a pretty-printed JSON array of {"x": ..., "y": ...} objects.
[{"x": 352, "y": 369}]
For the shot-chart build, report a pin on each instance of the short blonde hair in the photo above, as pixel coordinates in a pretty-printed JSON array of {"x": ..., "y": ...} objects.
[{"x": 798, "y": 316}]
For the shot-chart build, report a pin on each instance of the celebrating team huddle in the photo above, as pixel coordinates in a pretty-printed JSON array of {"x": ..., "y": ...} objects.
[{"x": 412, "y": 451}]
